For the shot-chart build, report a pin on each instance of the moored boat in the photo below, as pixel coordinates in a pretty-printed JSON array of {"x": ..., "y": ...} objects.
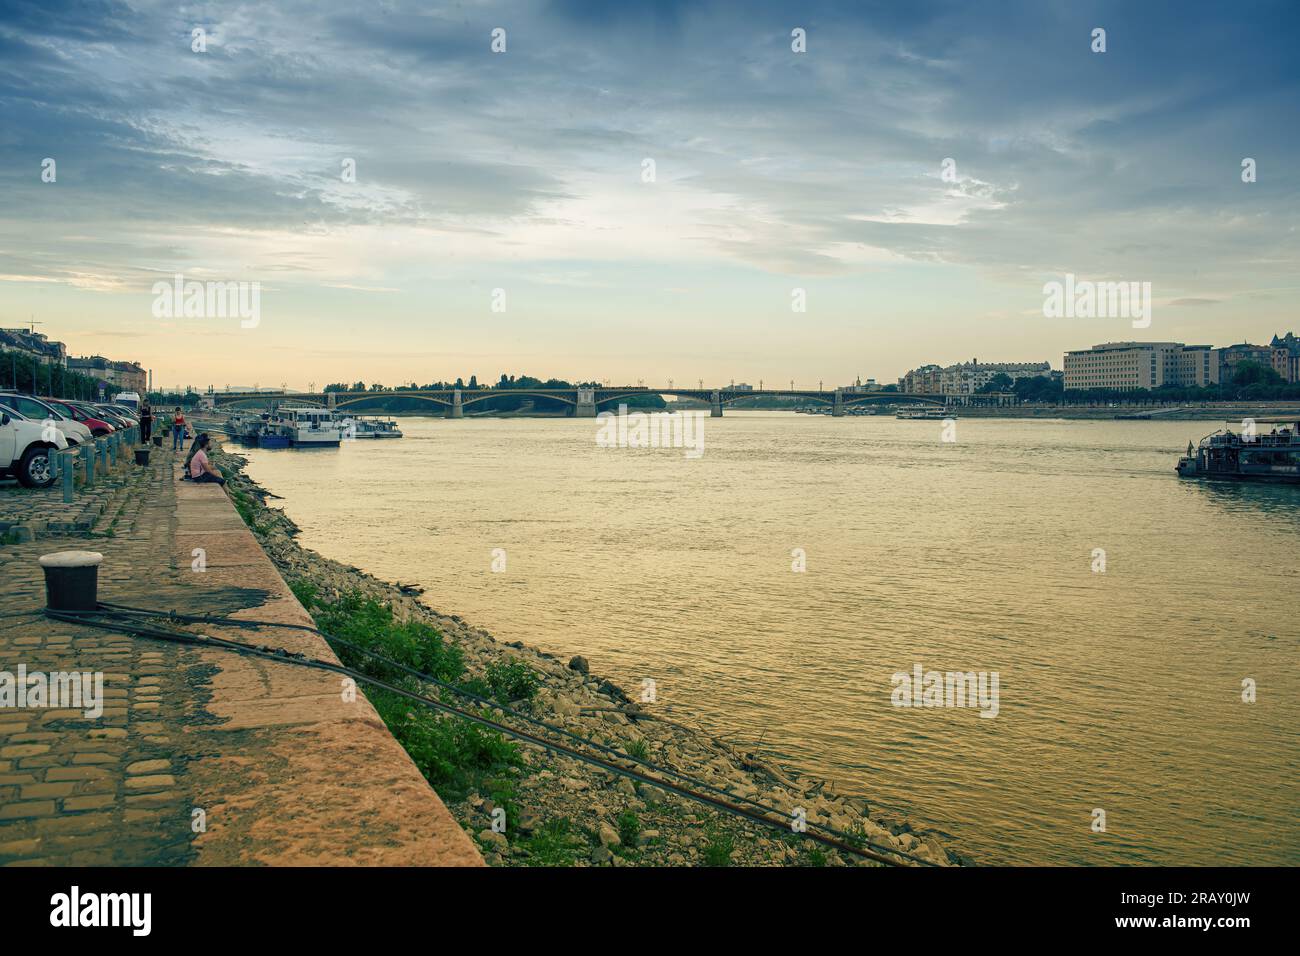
[
  {"x": 369, "y": 428},
  {"x": 304, "y": 426},
  {"x": 1231, "y": 456},
  {"x": 244, "y": 427}
]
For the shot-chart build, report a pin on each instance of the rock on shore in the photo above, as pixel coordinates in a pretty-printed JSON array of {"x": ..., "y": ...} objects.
[{"x": 588, "y": 815}]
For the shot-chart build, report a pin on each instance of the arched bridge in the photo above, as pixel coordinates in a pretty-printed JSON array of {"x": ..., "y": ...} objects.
[{"x": 584, "y": 399}]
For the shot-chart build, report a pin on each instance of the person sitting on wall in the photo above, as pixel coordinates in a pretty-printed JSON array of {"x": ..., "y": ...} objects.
[
  {"x": 194, "y": 447},
  {"x": 200, "y": 468}
]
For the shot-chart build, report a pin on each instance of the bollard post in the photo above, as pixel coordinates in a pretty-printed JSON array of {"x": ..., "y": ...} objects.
[
  {"x": 90, "y": 453},
  {"x": 66, "y": 470}
]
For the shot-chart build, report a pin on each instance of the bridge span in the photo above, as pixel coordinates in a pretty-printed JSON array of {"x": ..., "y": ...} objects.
[{"x": 584, "y": 399}]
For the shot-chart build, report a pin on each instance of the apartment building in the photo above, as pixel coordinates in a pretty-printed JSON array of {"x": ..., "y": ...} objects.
[
  {"x": 118, "y": 376},
  {"x": 967, "y": 378},
  {"x": 34, "y": 345},
  {"x": 1285, "y": 356}
]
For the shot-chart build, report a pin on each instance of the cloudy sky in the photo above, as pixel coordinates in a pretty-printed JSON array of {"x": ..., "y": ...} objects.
[{"x": 524, "y": 171}]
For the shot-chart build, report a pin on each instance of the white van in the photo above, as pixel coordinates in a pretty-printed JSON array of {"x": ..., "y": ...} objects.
[{"x": 129, "y": 399}]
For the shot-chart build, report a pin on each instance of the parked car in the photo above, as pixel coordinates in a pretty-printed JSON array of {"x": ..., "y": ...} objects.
[
  {"x": 121, "y": 411},
  {"x": 25, "y": 448},
  {"x": 113, "y": 418},
  {"x": 36, "y": 410},
  {"x": 98, "y": 426}
]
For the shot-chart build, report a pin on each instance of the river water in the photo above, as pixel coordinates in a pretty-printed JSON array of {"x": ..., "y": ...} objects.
[{"x": 1118, "y": 690}]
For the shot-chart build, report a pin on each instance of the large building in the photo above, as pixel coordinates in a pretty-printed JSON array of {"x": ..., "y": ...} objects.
[
  {"x": 1232, "y": 356},
  {"x": 1124, "y": 366},
  {"x": 1286, "y": 356},
  {"x": 967, "y": 378},
  {"x": 111, "y": 376},
  {"x": 926, "y": 379},
  {"x": 33, "y": 345}
]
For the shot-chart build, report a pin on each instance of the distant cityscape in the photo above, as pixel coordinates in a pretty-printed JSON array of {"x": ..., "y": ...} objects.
[
  {"x": 1119, "y": 366},
  {"x": 1110, "y": 366}
]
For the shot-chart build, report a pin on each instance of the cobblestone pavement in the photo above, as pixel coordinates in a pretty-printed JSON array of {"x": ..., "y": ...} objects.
[
  {"x": 94, "y": 791},
  {"x": 200, "y": 756}
]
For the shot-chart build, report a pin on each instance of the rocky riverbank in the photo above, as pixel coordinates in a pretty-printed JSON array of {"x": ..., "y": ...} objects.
[{"x": 561, "y": 811}]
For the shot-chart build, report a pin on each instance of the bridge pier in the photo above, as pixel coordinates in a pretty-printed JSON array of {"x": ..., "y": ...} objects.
[
  {"x": 715, "y": 405},
  {"x": 586, "y": 405},
  {"x": 455, "y": 409},
  {"x": 330, "y": 399},
  {"x": 837, "y": 409}
]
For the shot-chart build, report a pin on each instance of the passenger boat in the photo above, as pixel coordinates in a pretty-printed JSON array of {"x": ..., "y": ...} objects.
[
  {"x": 1229, "y": 456},
  {"x": 304, "y": 426},
  {"x": 926, "y": 414},
  {"x": 244, "y": 427},
  {"x": 369, "y": 428},
  {"x": 270, "y": 436}
]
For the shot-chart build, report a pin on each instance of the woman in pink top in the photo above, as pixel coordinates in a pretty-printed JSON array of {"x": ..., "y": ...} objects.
[{"x": 200, "y": 468}]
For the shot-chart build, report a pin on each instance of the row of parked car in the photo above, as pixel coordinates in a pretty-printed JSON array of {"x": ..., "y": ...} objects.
[{"x": 31, "y": 428}]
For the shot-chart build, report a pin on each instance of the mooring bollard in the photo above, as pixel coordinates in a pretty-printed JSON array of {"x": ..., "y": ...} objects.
[
  {"x": 71, "y": 580},
  {"x": 67, "y": 471}
]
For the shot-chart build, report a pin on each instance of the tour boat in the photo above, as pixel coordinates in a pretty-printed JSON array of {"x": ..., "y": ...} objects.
[
  {"x": 1229, "y": 456},
  {"x": 244, "y": 427},
  {"x": 308, "y": 426},
  {"x": 369, "y": 428},
  {"x": 926, "y": 414}
]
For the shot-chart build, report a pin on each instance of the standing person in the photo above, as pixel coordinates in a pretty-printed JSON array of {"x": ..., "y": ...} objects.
[
  {"x": 200, "y": 468},
  {"x": 178, "y": 428},
  {"x": 146, "y": 422}
]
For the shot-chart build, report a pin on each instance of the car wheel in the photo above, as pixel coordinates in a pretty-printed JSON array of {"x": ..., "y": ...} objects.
[{"x": 34, "y": 470}]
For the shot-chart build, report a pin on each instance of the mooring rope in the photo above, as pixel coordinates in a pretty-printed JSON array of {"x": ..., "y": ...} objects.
[{"x": 109, "y": 617}]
